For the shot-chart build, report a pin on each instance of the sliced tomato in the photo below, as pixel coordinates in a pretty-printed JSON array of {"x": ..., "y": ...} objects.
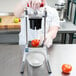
[
  {"x": 35, "y": 42},
  {"x": 42, "y": 4},
  {"x": 27, "y": 4}
]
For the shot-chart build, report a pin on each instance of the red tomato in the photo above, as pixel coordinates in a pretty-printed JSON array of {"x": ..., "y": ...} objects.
[
  {"x": 66, "y": 68},
  {"x": 35, "y": 42},
  {"x": 19, "y": 20},
  {"x": 27, "y": 4},
  {"x": 42, "y": 4}
]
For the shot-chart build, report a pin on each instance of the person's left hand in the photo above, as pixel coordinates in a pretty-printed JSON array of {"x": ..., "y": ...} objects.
[{"x": 48, "y": 40}]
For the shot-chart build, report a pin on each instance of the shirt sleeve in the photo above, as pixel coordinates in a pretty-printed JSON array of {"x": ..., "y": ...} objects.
[{"x": 53, "y": 18}]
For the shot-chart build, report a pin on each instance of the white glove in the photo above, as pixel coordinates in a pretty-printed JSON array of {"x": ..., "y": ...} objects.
[
  {"x": 35, "y": 4},
  {"x": 48, "y": 41}
]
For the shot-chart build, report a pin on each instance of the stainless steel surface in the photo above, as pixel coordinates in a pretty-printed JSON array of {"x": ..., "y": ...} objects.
[
  {"x": 71, "y": 10},
  {"x": 67, "y": 27},
  {"x": 45, "y": 23},
  {"x": 60, "y": 6},
  {"x": 11, "y": 57},
  {"x": 10, "y": 60},
  {"x": 36, "y": 64},
  {"x": 10, "y": 31},
  {"x": 9, "y": 36},
  {"x": 26, "y": 24},
  {"x": 38, "y": 71},
  {"x": 6, "y": 14}
]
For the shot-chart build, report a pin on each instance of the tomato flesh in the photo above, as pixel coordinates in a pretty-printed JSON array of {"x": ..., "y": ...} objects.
[
  {"x": 27, "y": 4},
  {"x": 35, "y": 42},
  {"x": 42, "y": 4},
  {"x": 66, "y": 68}
]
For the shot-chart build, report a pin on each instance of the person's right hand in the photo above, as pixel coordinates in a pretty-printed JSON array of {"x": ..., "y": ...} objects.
[
  {"x": 48, "y": 40},
  {"x": 35, "y": 4}
]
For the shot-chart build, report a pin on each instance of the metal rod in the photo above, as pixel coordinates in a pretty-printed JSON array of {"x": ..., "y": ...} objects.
[
  {"x": 48, "y": 64},
  {"x": 71, "y": 11},
  {"x": 26, "y": 26},
  {"x": 22, "y": 67},
  {"x": 47, "y": 60},
  {"x": 26, "y": 46},
  {"x": 45, "y": 24}
]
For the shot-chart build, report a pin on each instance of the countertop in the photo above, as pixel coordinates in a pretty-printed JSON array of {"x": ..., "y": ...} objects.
[
  {"x": 7, "y": 22},
  {"x": 67, "y": 27},
  {"x": 11, "y": 59}
]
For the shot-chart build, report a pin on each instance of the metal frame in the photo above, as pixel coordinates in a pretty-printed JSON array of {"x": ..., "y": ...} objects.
[{"x": 26, "y": 50}]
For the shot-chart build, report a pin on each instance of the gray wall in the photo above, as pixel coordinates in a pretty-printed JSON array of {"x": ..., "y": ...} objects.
[
  {"x": 51, "y": 2},
  {"x": 7, "y": 5}
]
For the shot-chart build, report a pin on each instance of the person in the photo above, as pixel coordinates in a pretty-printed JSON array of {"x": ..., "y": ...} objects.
[{"x": 52, "y": 21}]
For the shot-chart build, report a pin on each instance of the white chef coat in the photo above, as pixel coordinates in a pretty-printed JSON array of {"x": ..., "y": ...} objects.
[{"x": 51, "y": 20}]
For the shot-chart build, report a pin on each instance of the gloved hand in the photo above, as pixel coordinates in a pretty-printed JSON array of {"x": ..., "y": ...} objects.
[
  {"x": 35, "y": 4},
  {"x": 48, "y": 40}
]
